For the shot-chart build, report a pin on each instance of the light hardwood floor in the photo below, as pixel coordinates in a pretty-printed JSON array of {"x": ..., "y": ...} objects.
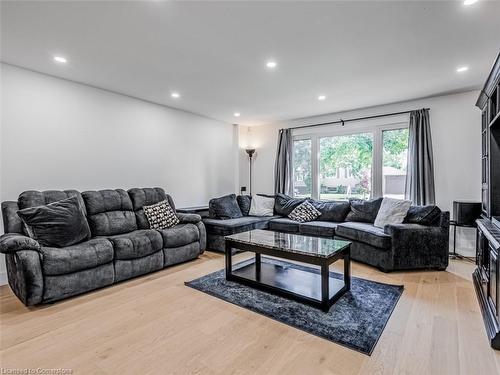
[{"x": 156, "y": 325}]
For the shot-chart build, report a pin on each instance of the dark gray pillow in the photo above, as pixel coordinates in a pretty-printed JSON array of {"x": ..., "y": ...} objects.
[
  {"x": 244, "y": 201},
  {"x": 225, "y": 207},
  {"x": 57, "y": 224},
  {"x": 284, "y": 205},
  {"x": 425, "y": 215},
  {"x": 364, "y": 211},
  {"x": 335, "y": 211}
]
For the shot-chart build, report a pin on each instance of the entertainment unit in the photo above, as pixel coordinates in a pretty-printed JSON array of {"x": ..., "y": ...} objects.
[{"x": 486, "y": 277}]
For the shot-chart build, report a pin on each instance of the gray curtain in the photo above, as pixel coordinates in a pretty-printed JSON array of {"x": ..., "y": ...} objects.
[
  {"x": 420, "y": 176},
  {"x": 283, "y": 168}
]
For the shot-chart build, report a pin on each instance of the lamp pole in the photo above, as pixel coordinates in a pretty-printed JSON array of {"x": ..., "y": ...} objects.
[{"x": 250, "y": 152}]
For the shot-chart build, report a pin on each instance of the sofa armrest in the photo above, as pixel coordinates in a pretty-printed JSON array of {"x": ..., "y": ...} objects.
[
  {"x": 415, "y": 245},
  {"x": 12, "y": 242},
  {"x": 24, "y": 272},
  {"x": 188, "y": 218}
]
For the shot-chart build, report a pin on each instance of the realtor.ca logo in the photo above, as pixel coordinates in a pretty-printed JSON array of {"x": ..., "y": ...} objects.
[{"x": 35, "y": 371}]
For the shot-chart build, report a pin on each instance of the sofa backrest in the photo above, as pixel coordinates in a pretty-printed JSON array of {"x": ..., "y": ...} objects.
[
  {"x": 141, "y": 197},
  {"x": 33, "y": 198},
  {"x": 109, "y": 212},
  {"x": 11, "y": 221}
]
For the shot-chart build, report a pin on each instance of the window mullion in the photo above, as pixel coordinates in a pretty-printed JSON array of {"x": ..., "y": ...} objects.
[
  {"x": 377, "y": 164},
  {"x": 315, "y": 166}
]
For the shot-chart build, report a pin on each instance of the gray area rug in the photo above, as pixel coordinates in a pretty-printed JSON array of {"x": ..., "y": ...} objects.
[{"x": 356, "y": 320}]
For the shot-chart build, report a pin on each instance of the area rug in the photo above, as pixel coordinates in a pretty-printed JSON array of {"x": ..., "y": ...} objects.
[{"x": 356, "y": 320}]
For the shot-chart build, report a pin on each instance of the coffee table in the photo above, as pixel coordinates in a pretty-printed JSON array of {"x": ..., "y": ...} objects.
[{"x": 306, "y": 284}]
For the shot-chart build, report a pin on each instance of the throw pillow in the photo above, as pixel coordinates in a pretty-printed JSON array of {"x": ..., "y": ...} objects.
[
  {"x": 284, "y": 204},
  {"x": 261, "y": 206},
  {"x": 364, "y": 211},
  {"x": 244, "y": 201},
  {"x": 161, "y": 215},
  {"x": 335, "y": 211},
  {"x": 225, "y": 207},
  {"x": 304, "y": 212},
  {"x": 392, "y": 211},
  {"x": 57, "y": 224},
  {"x": 425, "y": 215}
]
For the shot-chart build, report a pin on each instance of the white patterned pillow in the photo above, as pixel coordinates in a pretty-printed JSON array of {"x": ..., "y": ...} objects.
[
  {"x": 304, "y": 212},
  {"x": 161, "y": 215}
]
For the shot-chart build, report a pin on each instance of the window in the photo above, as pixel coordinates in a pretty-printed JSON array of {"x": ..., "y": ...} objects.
[
  {"x": 395, "y": 153},
  {"x": 336, "y": 164},
  {"x": 302, "y": 168},
  {"x": 345, "y": 166}
]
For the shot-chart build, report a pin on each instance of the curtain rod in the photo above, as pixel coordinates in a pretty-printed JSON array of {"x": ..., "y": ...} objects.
[{"x": 353, "y": 119}]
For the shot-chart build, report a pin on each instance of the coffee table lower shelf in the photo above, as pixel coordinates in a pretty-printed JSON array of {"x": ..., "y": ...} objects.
[{"x": 302, "y": 285}]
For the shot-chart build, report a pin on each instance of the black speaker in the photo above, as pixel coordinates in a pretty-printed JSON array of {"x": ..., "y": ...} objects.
[{"x": 466, "y": 212}]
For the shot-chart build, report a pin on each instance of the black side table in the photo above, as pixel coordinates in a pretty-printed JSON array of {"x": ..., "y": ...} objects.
[
  {"x": 454, "y": 254},
  {"x": 200, "y": 210}
]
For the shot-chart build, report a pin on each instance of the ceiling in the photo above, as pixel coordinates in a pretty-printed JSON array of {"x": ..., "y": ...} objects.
[{"x": 214, "y": 54}]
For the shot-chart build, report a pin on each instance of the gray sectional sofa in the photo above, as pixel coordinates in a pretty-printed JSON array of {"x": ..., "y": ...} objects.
[
  {"x": 122, "y": 245},
  {"x": 415, "y": 244}
]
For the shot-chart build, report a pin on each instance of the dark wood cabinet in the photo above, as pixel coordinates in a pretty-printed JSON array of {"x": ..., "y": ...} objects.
[{"x": 486, "y": 277}]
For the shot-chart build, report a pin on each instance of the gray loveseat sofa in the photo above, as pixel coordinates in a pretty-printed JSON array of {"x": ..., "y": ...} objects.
[
  {"x": 122, "y": 244},
  {"x": 408, "y": 246}
]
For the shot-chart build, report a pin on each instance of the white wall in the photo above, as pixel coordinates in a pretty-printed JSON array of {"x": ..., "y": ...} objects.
[
  {"x": 57, "y": 134},
  {"x": 456, "y": 137}
]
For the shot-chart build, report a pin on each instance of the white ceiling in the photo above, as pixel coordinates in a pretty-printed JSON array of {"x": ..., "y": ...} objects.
[{"x": 356, "y": 53}]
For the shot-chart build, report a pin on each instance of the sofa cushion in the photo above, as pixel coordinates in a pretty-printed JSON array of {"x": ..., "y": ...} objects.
[
  {"x": 284, "y": 224},
  {"x": 82, "y": 256},
  {"x": 244, "y": 201},
  {"x": 364, "y": 211},
  {"x": 109, "y": 212},
  {"x": 335, "y": 211},
  {"x": 136, "y": 244},
  {"x": 179, "y": 235},
  {"x": 57, "y": 224},
  {"x": 304, "y": 212},
  {"x": 318, "y": 228},
  {"x": 261, "y": 205},
  {"x": 232, "y": 226},
  {"x": 364, "y": 232},
  {"x": 225, "y": 207},
  {"x": 284, "y": 204},
  {"x": 141, "y": 197},
  {"x": 392, "y": 211},
  {"x": 128, "y": 268},
  {"x": 32, "y": 198},
  {"x": 425, "y": 215},
  {"x": 160, "y": 215}
]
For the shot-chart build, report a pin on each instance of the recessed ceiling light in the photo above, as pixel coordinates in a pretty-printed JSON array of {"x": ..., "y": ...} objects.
[
  {"x": 175, "y": 95},
  {"x": 271, "y": 64},
  {"x": 60, "y": 59},
  {"x": 470, "y": 2},
  {"x": 321, "y": 97},
  {"x": 462, "y": 69},
  {"x": 237, "y": 114}
]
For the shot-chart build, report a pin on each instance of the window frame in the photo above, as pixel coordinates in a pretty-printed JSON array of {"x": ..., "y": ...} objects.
[{"x": 376, "y": 128}]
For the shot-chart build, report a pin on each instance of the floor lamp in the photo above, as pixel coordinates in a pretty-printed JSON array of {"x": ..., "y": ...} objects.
[{"x": 250, "y": 152}]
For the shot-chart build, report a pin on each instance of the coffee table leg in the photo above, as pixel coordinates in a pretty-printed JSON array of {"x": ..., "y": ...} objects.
[
  {"x": 325, "y": 286},
  {"x": 229, "y": 263},
  {"x": 347, "y": 269},
  {"x": 257, "y": 266}
]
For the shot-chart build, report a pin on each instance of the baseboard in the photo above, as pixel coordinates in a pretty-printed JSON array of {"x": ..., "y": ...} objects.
[{"x": 3, "y": 278}]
